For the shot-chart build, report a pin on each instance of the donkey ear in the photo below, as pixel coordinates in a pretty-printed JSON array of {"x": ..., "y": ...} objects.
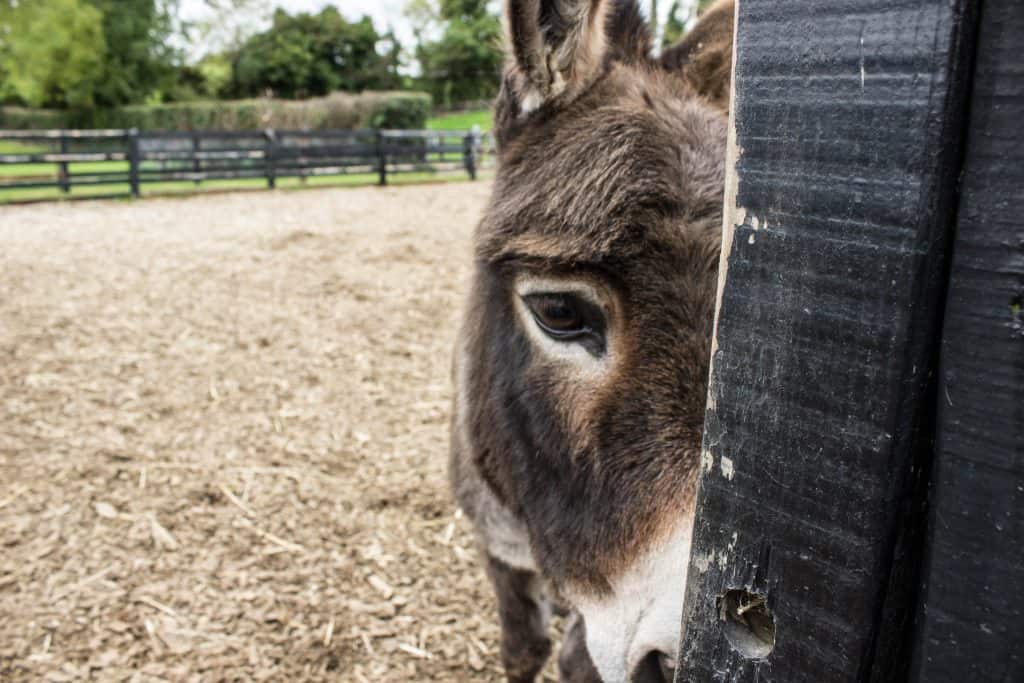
[
  {"x": 557, "y": 47},
  {"x": 704, "y": 57}
]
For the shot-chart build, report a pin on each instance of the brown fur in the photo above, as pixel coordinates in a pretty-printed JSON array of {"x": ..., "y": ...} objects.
[
  {"x": 616, "y": 178},
  {"x": 705, "y": 54}
]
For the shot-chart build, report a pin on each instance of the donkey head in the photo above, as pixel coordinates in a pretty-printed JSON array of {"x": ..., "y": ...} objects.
[{"x": 585, "y": 351}]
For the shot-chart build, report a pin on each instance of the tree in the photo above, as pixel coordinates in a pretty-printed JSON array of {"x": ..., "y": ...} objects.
[
  {"x": 424, "y": 17},
  {"x": 465, "y": 62},
  {"x": 215, "y": 72},
  {"x": 305, "y": 54},
  {"x": 386, "y": 75},
  {"x": 463, "y": 10},
  {"x": 140, "y": 61},
  {"x": 84, "y": 53},
  {"x": 675, "y": 26},
  {"x": 681, "y": 17},
  {"x": 226, "y": 24},
  {"x": 52, "y": 52}
]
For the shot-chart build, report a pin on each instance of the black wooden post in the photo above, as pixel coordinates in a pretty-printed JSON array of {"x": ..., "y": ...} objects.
[
  {"x": 62, "y": 169},
  {"x": 270, "y": 152},
  {"x": 196, "y": 163},
  {"x": 973, "y": 608},
  {"x": 134, "y": 160},
  {"x": 842, "y": 170},
  {"x": 469, "y": 153},
  {"x": 382, "y": 159}
]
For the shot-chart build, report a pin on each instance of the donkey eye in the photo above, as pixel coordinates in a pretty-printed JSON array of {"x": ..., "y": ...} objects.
[
  {"x": 566, "y": 317},
  {"x": 558, "y": 314}
]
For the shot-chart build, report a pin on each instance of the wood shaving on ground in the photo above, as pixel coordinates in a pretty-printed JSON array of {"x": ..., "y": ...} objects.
[{"x": 223, "y": 439}]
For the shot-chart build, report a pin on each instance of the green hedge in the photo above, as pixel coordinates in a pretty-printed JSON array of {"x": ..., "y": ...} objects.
[
  {"x": 409, "y": 110},
  {"x": 21, "y": 118}
]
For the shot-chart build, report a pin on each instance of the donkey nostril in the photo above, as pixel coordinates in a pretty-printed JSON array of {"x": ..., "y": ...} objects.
[
  {"x": 668, "y": 667},
  {"x": 655, "y": 667}
]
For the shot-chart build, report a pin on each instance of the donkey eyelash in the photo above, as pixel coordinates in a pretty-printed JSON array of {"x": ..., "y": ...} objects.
[
  {"x": 530, "y": 285},
  {"x": 568, "y": 318},
  {"x": 587, "y": 343}
]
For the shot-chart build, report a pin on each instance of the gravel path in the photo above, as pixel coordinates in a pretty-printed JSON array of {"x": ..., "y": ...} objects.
[{"x": 223, "y": 440}]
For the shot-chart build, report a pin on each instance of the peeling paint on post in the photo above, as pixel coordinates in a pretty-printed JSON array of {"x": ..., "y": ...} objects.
[{"x": 845, "y": 149}]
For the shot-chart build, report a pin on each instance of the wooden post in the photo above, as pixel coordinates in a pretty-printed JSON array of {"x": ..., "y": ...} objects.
[
  {"x": 973, "y": 607},
  {"x": 196, "y": 164},
  {"x": 844, "y": 153},
  {"x": 382, "y": 159},
  {"x": 270, "y": 151},
  {"x": 64, "y": 178},
  {"x": 134, "y": 161},
  {"x": 469, "y": 154}
]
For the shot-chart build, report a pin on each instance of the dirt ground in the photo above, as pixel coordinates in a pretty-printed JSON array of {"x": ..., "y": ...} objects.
[{"x": 223, "y": 434}]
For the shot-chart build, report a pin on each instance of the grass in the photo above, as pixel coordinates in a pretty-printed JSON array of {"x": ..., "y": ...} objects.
[
  {"x": 462, "y": 120},
  {"x": 12, "y": 147},
  {"x": 188, "y": 187},
  {"x": 49, "y": 170}
]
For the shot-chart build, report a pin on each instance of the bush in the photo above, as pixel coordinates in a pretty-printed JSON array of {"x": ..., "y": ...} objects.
[
  {"x": 410, "y": 111},
  {"x": 239, "y": 115},
  {"x": 22, "y": 118},
  {"x": 407, "y": 110}
]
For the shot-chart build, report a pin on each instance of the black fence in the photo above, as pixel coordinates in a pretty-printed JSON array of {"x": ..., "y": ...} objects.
[{"x": 67, "y": 159}]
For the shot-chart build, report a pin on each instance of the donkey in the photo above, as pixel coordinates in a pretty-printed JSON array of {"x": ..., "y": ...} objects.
[{"x": 581, "y": 367}]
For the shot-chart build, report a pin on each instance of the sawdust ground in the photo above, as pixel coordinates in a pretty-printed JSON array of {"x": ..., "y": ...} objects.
[{"x": 223, "y": 440}]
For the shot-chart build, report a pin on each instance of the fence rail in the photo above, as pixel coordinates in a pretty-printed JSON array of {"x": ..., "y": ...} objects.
[{"x": 64, "y": 159}]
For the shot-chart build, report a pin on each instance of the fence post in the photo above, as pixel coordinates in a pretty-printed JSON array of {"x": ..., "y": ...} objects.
[
  {"x": 134, "y": 159},
  {"x": 469, "y": 152},
  {"x": 196, "y": 165},
  {"x": 838, "y": 218},
  {"x": 64, "y": 177},
  {"x": 269, "y": 153},
  {"x": 382, "y": 159},
  {"x": 967, "y": 623}
]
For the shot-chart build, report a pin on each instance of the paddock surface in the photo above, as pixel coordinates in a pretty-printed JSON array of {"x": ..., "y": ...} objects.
[{"x": 223, "y": 434}]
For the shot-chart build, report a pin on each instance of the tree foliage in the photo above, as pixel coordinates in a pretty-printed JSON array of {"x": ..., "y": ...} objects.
[
  {"x": 140, "y": 61},
  {"x": 81, "y": 53},
  {"x": 304, "y": 55},
  {"x": 226, "y": 24},
  {"x": 463, "y": 10},
  {"x": 464, "y": 63},
  {"x": 675, "y": 26},
  {"x": 215, "y": 76},
  {"x": 52, "y": 52},
  {"x": 681, "y": 17}
]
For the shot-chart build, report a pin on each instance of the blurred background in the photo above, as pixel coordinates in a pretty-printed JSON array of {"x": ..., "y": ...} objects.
[{"x": 175, "y": 64}]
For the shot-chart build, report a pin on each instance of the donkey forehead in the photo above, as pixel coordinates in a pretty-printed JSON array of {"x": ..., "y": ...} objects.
[{"x": 589, "y": 184}]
